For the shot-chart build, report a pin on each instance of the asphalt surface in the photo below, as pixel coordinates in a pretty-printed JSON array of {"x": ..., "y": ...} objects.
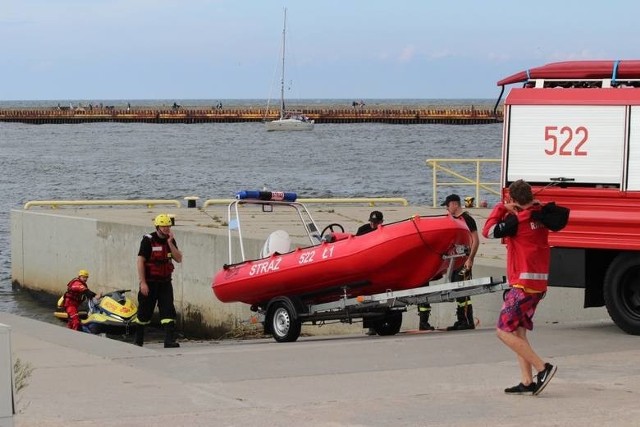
[{"x": 411, "y": 379}]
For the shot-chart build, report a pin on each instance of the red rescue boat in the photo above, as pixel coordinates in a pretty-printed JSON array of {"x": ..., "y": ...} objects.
[{"x": 396, "y": 256}]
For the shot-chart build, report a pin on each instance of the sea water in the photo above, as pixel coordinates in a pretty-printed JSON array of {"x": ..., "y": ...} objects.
[{"x": 214, "y": 160}]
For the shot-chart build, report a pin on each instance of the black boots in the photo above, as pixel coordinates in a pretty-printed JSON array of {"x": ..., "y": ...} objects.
[
  {"x": 169, "y": 339},
  {"x": 169, "y": 336},
  {"x": 424, "y": 324},
  {"x": 465, "y": 319},
  {"x": 139, "y": 340},
  {"x": 464, "y": 313}
]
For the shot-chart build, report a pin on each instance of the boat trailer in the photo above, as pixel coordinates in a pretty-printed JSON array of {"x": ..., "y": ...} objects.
[{"x": 284, "y": 316}]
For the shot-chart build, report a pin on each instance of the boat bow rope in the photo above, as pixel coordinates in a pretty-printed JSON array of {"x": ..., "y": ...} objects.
[{"x": 413, "y": 220}]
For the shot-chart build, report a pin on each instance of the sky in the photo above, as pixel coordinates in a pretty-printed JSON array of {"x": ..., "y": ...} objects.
[{"x": 336, "y": 49}]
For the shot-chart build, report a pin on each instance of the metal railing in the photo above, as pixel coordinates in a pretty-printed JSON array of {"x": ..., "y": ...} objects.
[
  {"x": 447, "y": 168},
  {"x": 56, "y": 203}
]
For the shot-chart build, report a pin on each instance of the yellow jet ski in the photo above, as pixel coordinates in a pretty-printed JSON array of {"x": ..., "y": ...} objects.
[{"x": 114, "y": 312}]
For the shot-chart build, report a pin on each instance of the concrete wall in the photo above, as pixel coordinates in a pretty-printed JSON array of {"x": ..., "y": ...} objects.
[{"x": 48, "y": 249}]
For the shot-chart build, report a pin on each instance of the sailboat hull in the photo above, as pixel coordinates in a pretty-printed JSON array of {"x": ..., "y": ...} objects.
[{"x": 289, "y": 124}]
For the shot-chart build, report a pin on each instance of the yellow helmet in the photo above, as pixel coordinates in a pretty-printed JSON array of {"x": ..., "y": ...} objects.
[
  {"x": 84, "y": 273},
  {"x": 162, "y": 220}
]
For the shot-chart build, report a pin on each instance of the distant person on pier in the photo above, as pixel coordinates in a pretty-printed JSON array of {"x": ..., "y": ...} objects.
[
  {"x": 157, "y": 252},
  {"x": 77, "y": 291}
]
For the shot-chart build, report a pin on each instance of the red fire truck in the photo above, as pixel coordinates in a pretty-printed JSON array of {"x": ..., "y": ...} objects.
[{"x": 572, "y": 130}]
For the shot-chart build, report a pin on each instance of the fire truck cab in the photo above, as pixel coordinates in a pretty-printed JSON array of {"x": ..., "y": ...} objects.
[{"x": 572, "y": 130}]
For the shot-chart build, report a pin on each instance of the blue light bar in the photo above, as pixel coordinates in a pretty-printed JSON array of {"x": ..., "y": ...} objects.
[{"x": 276, "y": 196}]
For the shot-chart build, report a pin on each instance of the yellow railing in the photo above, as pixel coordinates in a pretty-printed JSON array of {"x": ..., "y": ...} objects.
[
  {"x": 371, "y": 201},
  {"x": 56, "y": 203},
  {"x": 191, "y": 201},
  {"x": 446, "y": 167}
]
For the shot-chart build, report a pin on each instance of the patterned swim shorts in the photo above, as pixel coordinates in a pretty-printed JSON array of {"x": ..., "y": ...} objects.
[{"x": 518, "y": 310}]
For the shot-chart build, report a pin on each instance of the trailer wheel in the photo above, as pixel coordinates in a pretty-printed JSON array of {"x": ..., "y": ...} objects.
[
  {"x": 622, "y": 292},
  {"x": 388, "y": 325},
  {"x": 285, "y": 327}
]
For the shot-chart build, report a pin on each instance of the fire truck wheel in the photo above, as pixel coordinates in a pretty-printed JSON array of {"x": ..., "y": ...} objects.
[
  {"x": 388, "y": 325},
  {"x": 285, "y": 327},
  {"x": 622, "y": 292}
]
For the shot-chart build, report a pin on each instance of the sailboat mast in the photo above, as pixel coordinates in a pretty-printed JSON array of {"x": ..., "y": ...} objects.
[{"x": 284, "y": 29}]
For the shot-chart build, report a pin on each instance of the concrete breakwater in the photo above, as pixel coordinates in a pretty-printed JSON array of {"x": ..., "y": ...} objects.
[{"x": 397, "y": 115}]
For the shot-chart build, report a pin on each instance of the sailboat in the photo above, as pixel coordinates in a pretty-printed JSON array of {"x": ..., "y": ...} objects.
[{"x": 288, "y": 120}]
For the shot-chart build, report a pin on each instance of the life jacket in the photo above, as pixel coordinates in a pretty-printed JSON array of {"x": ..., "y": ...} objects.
[
  {"x": 76, "y": 289},
  {"x": 159, "y": 265}
]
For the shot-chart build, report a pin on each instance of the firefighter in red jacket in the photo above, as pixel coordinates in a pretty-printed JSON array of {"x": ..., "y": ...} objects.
[
  {"x": 77, "y": 291},
  {"x": 157, "y": 252}
]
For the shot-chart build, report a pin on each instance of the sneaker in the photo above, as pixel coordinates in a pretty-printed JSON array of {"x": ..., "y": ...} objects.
[
  {"x": 521, "y": 389},
  {"x": 544, "y": 377}
]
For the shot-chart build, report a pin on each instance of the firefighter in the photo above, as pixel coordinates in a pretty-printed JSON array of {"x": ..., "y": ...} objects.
[
  {"x": 158, "y": 251},
  {"x": 424, "y": 311},
  {"x": 464, "y": 309},
  {"x": 77, "y": 291},
  {"x": 375, "y": 219}
]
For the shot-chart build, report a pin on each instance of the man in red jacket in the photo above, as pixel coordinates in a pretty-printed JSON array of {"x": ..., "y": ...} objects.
[{"x": 528, "y": 256}]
